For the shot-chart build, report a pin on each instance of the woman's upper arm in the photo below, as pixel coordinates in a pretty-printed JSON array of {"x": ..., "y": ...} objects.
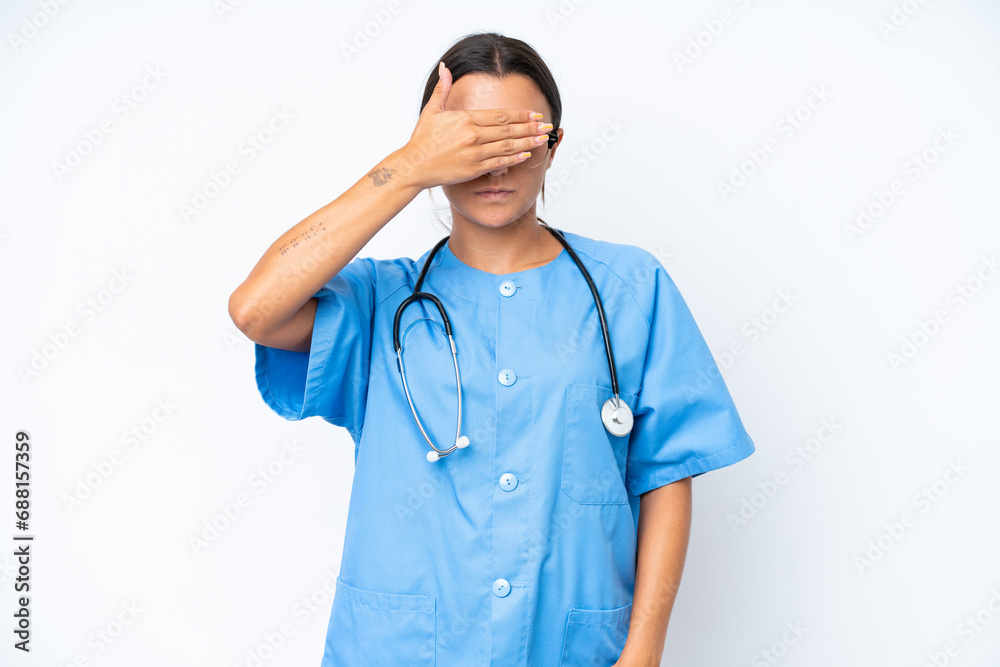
[
  {"x": 296, "y": 334},
  {"x": 327, "y": 375}
]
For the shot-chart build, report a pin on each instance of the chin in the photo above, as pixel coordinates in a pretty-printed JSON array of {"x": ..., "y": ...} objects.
[
  {"x": 491, "y": 214},
  {"x": 492, "y": 221}
]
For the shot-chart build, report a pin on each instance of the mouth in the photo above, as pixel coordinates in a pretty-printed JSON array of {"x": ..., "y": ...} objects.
[{"x": 494, "y": 193}]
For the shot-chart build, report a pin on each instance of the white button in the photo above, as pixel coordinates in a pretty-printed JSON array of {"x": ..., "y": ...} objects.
[
  {"x": 500, "y": 588},
  {"x": 507, "y": 377},
  {"x": 507, "y": 288},
  {"x": 508, "y": 481}
]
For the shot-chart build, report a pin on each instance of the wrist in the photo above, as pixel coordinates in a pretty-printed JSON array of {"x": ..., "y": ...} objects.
[{"x": 405, "y": 163}]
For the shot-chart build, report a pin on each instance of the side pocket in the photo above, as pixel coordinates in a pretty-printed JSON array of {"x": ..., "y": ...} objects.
[
  {"x": 593, "y": 466},
  {"x": 595, "y": 637},
  {"x": 375, "y": 628}
]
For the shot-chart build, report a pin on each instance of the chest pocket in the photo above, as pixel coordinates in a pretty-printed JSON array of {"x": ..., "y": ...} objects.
[{"x": 593, "y": 462}]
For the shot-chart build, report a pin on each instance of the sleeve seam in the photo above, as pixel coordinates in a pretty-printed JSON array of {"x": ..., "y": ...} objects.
[
  {"x": 691, "y": 466},
  {"x": 267, "y": 383}
]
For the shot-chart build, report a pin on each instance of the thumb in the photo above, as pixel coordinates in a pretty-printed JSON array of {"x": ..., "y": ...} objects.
[{"x": 439, "y": 97}]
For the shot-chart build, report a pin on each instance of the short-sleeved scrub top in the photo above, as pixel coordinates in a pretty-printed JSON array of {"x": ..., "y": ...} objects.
[{"x": 521, "y": 548}]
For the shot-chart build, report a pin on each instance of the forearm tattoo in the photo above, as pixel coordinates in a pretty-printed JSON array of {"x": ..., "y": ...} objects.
[
  {"x": 305, "y": 236},
  {"x": 381, "y": 176}
]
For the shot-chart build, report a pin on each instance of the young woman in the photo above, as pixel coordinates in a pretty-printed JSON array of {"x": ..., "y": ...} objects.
[{"x": 503, "y": 527}]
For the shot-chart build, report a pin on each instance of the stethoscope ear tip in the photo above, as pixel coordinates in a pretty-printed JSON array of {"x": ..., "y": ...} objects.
[
  {"x": 433, "y": 456},
  {"x": 462, "y": 442}
]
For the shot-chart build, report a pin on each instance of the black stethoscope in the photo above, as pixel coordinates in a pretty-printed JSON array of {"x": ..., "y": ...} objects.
[{"x": 615, "y": 414}]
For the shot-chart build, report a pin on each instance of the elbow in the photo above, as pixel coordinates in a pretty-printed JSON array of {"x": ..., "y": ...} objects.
[{"x": 242, "y": 314}]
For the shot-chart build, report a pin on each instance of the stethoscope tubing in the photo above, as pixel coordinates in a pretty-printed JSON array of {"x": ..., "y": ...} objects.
[
  {"x": 458, "y": 383},
  {"x": 597, "y": 300},
  {"x": 418, "y": 295}
]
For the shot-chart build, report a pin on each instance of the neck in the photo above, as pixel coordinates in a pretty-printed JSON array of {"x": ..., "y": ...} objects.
[{"x": 518, "y": 246}]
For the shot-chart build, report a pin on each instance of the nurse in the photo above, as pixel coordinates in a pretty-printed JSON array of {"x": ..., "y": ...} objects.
[{"x": 547, "y": 540}]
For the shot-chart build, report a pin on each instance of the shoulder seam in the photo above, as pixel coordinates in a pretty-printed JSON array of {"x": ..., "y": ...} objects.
[
  {"x": 628, "y": 285},
  {"x": 374, "y": 269},
  {"x": 386, "y": 297}
]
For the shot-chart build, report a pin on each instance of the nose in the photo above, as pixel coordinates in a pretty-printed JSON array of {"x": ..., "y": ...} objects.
[{"x": 500, "y": 171}]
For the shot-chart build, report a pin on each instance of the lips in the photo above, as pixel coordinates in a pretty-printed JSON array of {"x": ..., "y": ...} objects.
[
  {"x": 494, "y": 195},
  {"x": 479, "y": 192}
]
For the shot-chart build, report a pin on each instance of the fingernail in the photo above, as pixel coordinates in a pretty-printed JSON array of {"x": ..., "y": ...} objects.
[
  {"x": 441, "y": 69},
  {"x": 534, "y": 115}
]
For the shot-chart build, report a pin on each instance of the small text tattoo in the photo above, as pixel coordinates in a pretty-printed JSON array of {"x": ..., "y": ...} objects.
[
  {"x": 305, "y": 236},
  {"x": 381, "y": 176}
]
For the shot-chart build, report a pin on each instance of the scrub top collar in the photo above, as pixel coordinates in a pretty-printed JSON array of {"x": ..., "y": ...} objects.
[{"x": 454, "y": 277}]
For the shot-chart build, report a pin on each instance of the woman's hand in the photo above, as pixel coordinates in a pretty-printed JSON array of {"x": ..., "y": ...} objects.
[{"x": 454, "y": 146}]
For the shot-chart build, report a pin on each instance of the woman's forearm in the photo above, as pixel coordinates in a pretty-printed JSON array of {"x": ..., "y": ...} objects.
[
  {"x": 662, "y": 542},
  {"x": 308, "y": 255}
]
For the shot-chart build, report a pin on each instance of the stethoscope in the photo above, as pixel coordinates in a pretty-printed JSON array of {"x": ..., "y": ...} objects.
[{"x": 615, "y": 413}]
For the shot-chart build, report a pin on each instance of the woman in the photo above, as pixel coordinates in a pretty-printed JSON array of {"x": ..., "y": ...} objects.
[{"x": 527, "y": 546}]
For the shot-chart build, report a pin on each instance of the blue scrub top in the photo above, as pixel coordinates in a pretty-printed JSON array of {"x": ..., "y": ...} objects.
[{"x": 519, "y": 549}]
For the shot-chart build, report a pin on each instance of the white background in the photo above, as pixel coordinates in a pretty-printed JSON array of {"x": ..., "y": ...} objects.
[{"x": 894, "y": 76}]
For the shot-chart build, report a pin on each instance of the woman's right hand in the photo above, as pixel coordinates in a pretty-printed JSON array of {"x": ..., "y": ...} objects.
[{"x": 454, "y": 146}]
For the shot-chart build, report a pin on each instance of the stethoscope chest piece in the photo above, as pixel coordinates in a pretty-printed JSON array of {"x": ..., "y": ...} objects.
[{"x": 617, "y": 416}]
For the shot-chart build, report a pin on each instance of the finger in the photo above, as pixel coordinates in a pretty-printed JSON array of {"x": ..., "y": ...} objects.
[
  {"x": 491, "y": 117},
  {"x": 516, "y": 131},
  {"x": 500, "y": 161},
  {"x": 512, "y": 147},
  {"x": 439, "y": 96}
]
